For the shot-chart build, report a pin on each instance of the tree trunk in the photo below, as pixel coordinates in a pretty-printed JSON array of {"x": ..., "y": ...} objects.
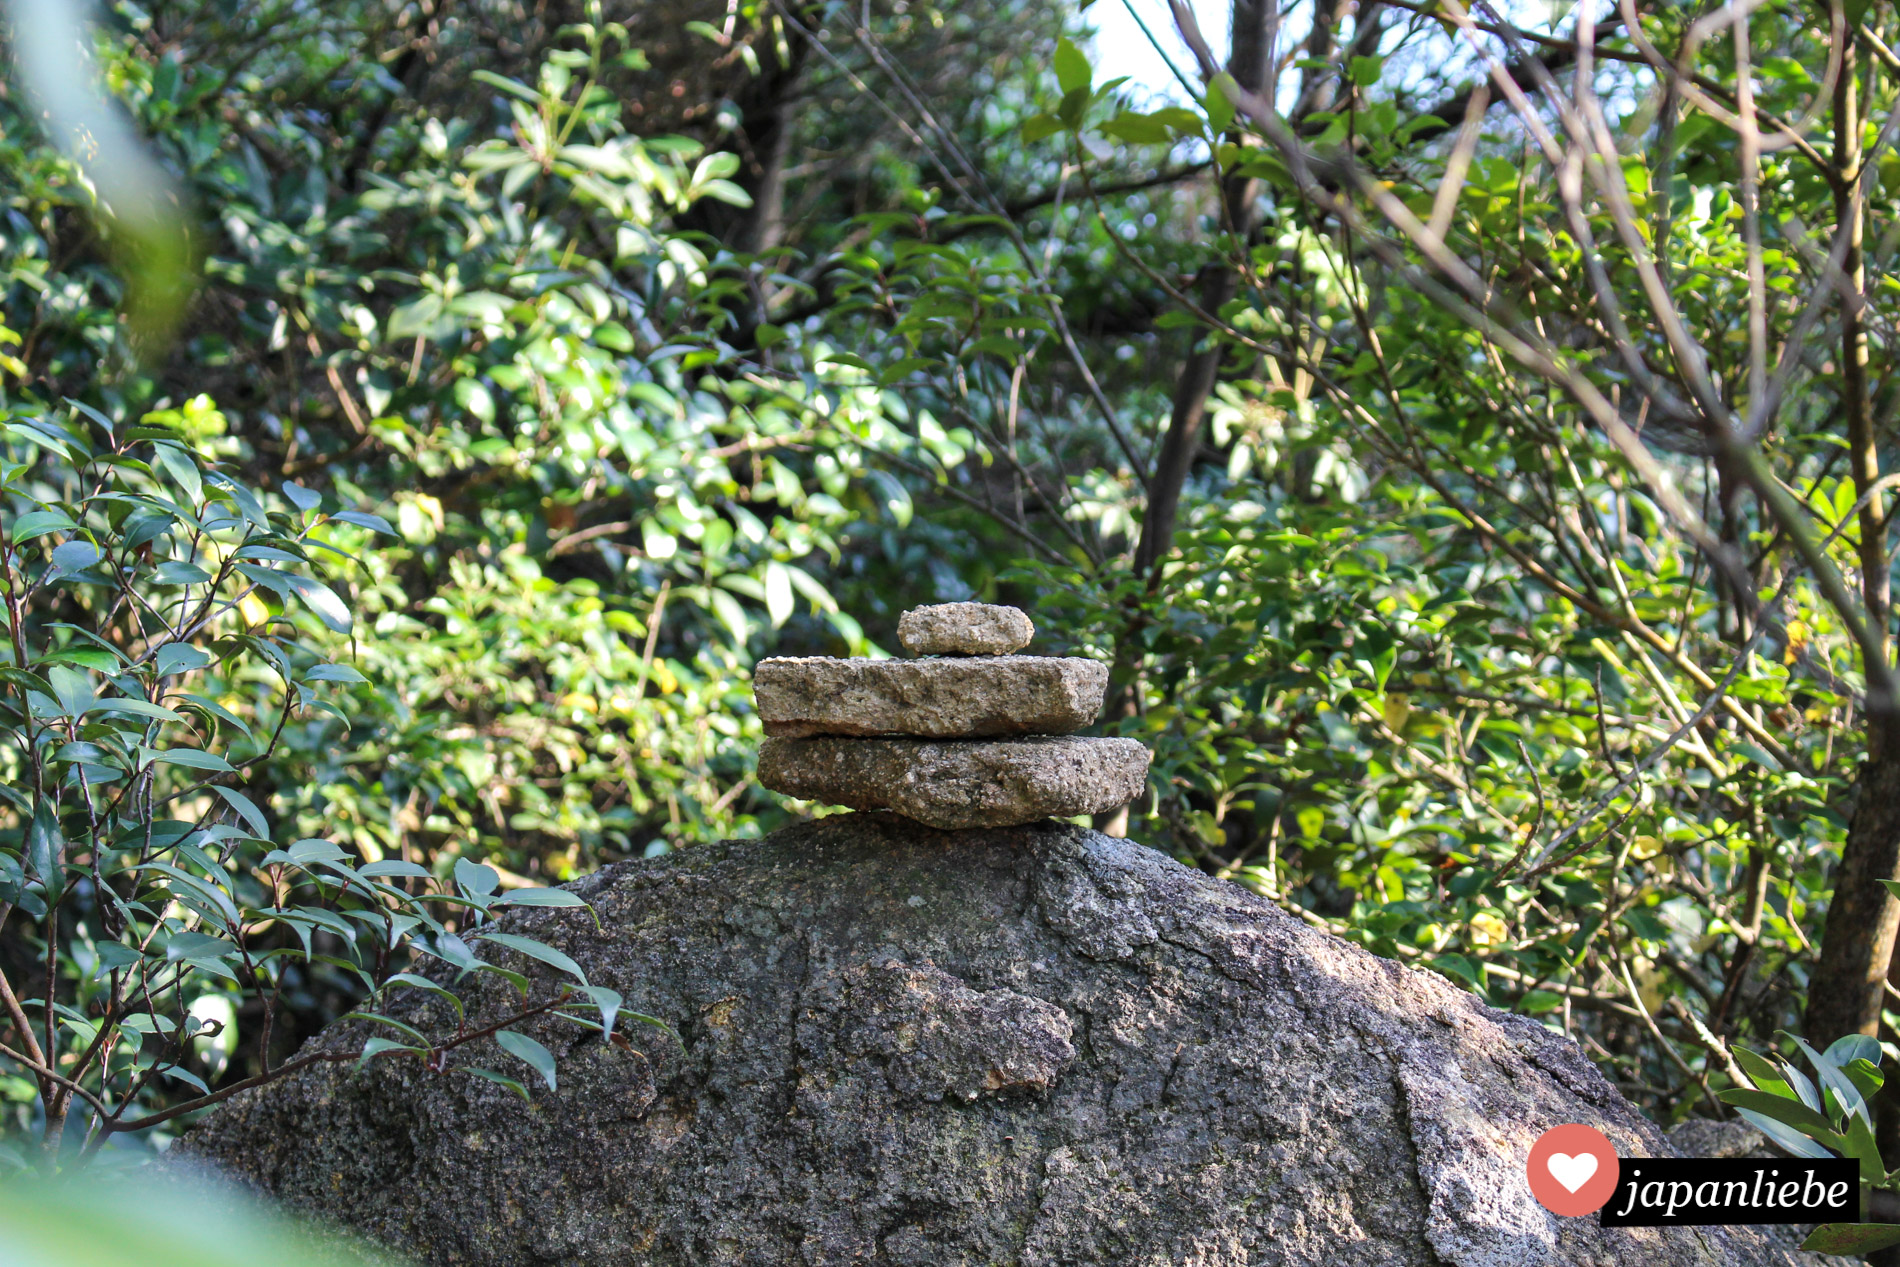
[
  {"x": 1857, "y": 943},
  {"x": 1849, "y": 983},
  {"x": 1249, "y": 62},
  {"x": 766, "y": 106}
]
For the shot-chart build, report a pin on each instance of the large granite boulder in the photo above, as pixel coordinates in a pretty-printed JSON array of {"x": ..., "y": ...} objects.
[{"x": 1032, "y": 1045}]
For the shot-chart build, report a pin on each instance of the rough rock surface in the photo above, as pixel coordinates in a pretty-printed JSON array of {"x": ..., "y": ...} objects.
[
  {"x": 972, "y": 783},
  {"x": 1037, "y": 1046},
  {"x": 964, "y": 629},
  {"x": 932, "y": 699}
]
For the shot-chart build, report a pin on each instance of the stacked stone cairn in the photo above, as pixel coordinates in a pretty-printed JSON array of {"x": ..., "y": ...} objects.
[{"x": 969, "y": 734}]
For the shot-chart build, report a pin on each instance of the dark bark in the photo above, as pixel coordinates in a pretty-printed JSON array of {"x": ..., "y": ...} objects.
[
  {"x": 763, "y": 143},
  {"x": 900, "y": 1046},
  {"x": 1876, "y": 567},
  {"x": 1847, "y": 991},
  {"x": 1250, "y": 65},
  {"x": 1848, "y": 987}
]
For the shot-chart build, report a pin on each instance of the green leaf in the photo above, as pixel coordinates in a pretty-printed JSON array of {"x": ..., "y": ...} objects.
[
  {"x": 334, "y": 673},
  {"x": 509, "y": 86},
  {"x": 1781, "y": 1109},
  {"x": 71, "y": 688},
  {"x": 178, "y": 657},
  {"x": 475, "y": 878},
  {"x": 185, "y": 1076},
  {"x": 376, "y": 870},
  {"x": 1073, "y": 72},
  {"x": 81, "y": 407},
  {"x": 1040, "y": 127},
  {"x": 217, "y": 897},
  {"x": 725, "y": 191},
  {"x": 1861, "y": 1147},
  {"x": 1138, "y": 129},
  {"x": 189, "y": 947},
  {"x": 192, "y": 757},
  {"x": 1846, "y": 1094},
  {"x": 538, "y": 1057},
  {"x": 136, "y": 707},
  {"x": 608, "y": 1001},
  {"x": 33, "y": 435},
  {"x": 1844, "y": 1051},
  {"x": 178, "y": 572},
  {"x": 322, "y": 600},
  {"x": 416, "y": 982},
  {"x": 501, "y": 1078},
  {"x": 1181, "y": 120},
  {"x": 182, "y": 468},
  {"x": 1866, "y": 1077},
  {"x": 375, "y": 1047},
  {"x": 1764, "y": 1074},
  {"x": 778, "y": 593},
  {"x": 37, "y": 523},
  {"x": 310, "y": 852},
  {"x": 537, "y": 950},
  {"x": 1786, "y": 1136},
  {"x": 375, "y": 523},
  {"x": 216, "y": 710},
  {"x": 378, "y": 1018},
  {"x": 85, "y": 658},
  {"x": 76, "y": 556},
  {"x": 246, "y": 809},
  {"x": 538, "y": 897},
  {"x": 1222, "y": 93},
  {"x": 46, "y": 851},
  {"x": 302, "y": 498},
  {"x": 1852, "y": 1239}
]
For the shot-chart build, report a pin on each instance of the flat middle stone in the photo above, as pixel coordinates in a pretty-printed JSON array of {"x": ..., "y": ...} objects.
[
  {"x": 951, "y": 785},
  {"x": 930, "y": 699}
]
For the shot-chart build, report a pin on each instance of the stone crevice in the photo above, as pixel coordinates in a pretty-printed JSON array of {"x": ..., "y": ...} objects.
[{"x": 1402, "y": 1111}]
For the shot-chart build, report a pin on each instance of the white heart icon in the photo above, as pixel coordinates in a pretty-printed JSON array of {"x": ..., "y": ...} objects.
[{"x": 1572, "y": 1172}]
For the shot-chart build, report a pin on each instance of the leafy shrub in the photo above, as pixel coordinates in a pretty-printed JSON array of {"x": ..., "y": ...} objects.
[{"x": 149, "y": 599}]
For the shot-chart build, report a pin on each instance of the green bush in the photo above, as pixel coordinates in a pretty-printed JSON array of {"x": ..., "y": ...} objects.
[{"x": 147, "y": 597}]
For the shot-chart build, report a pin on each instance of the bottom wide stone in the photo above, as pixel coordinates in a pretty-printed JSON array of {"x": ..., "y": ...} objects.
[
  {"x": 960, "y": 783},
  {"x": 891, "y": 1046}
]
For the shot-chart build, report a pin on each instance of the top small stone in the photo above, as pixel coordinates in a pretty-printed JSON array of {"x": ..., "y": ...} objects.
[{"x": 964, "y": 629}]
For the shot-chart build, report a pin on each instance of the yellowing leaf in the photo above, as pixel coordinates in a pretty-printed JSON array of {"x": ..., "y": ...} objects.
[
  {"x": 1488, "y": 929},
  {"x": 1798, "y": 635}
]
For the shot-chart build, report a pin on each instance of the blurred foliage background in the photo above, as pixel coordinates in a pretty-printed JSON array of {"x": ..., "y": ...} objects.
[{"x": 675, "y": 335}]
